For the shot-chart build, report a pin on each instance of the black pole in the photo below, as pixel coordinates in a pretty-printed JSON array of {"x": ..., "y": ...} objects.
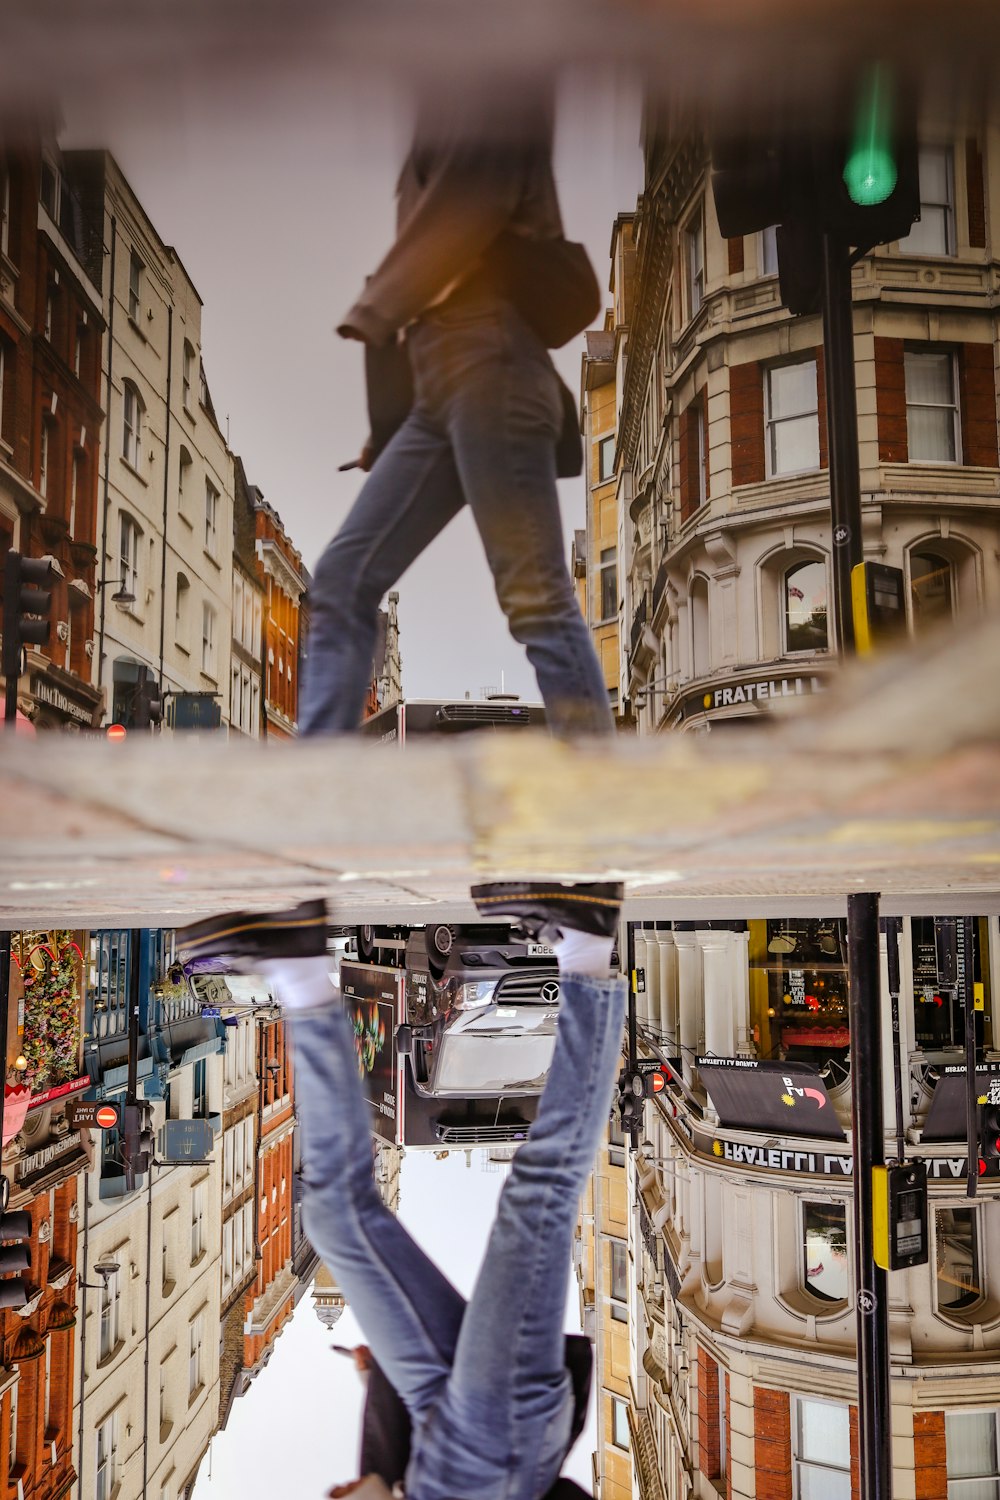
[
  {"x": 633, "y": 1050},
  {"x": 131, "y": 1134},
  {"x": 842, "y": 432},
  {"x": 874, "y": 1425},
  {"x": 965, "y": 979},
  {"x": 893, "y": 929},
  {"x": 11, "y": 581}
]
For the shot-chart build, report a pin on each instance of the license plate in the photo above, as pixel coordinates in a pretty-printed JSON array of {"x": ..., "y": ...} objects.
[{"x": 540, "y": 950}]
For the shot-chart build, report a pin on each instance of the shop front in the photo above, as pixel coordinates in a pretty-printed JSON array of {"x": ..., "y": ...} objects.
[{"x": 799, "y": 993}]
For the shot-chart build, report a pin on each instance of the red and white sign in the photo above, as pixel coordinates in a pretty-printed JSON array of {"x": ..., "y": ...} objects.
[
  {"x": 106, "y": 1116},
  {"x": 657, "y": 1082}
]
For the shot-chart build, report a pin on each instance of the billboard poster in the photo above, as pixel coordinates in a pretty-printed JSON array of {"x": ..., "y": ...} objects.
[{"x": 372, "y": 998}]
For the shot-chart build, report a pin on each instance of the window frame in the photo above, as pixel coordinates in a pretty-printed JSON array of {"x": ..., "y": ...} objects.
[
  {"x": 694, "y": 261},
  {"x": 947, "y": 152},
  {"x": 106, "y": 1458},
  {"x": 4, "y": 210},
  {"x": 198, "y": 1211},
  {"x": 195, "y": 1343},
  {"x": 798, "y": 1461},
  {"x": 187, "y": 366},
  {"x": 209, "y": 620},
  {"x": 926, "y": 550},
  {"x": 605, "y": 446},
  {"x": 135, "y": 270},
  {"x": 133, "y": 411},
  {"x": 619, "y": 1412},
  {"x": 955, "y": 1486},
  {"x": 977, "y": 1296},
  {"x": 211, "y": 519},
  {"x": 787, "y": 649},
  {"x": 618, "y": 1275},
  {"x": 771, "y": 423},
  {"x": 935, "y": 351},
  {"x": 109, "y": 1317},
  {"x": 823, "y": 1297},
  {"x": 128, "y": 555},
  {"x": 767, "y": 251}
]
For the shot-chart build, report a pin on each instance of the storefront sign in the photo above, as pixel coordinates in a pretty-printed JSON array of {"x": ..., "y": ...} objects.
[
  {"x": 784, "y": 1097},
  {"x": 372, "y": 1000},
  {"x": 46, "y": 692},
  {"x": 34, "y": 1161},
  {"x": 75, "y": 1086},
  {"x": 762, "y": 691},
  {"x": 816, "y": 1163}
]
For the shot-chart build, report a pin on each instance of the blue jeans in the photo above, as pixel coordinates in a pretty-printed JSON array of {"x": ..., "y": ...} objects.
[
  {"x": 482, "y": 431},
  {"x": 485, "y": 1383}
]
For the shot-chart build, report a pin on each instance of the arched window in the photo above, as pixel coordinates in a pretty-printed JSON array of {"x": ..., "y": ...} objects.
[
  {"x": 804, "y": 606},
  {"x": 701, "y": 654},
  {"x": 132, "y": 414},
  {"x": 932, "y": 595}
]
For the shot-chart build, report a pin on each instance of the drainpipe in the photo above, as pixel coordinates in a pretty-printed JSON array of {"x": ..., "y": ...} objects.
[
  {"x": 166, "y": 495},
  {"x": 83, "y": 1324},
  {"x": 106, "y": 499}
]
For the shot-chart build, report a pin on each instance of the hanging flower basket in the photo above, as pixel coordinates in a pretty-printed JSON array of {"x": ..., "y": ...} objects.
[{"x": 49, "y": 964}]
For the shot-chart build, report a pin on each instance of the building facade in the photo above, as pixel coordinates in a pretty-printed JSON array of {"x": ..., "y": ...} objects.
[
  {"x": 596, "y": 562},
  {"x": 246, "y": 671},
  {"x": 166, "y": 515},
  {"x": 743, "y": 1374},
  {"x": 284, "y": 581},
  {"x": 723, "y": 478},
  {"x": 50, "y": 419}
]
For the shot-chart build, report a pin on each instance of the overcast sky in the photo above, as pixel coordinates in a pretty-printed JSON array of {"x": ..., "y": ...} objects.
[
  {"x": 313, "y": 1398},
  {"x": 278, "y": 197}
]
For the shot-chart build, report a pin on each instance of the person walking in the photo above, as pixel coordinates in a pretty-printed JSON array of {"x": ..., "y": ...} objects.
[
  {"x": 485, "y": 1383},
  {"x": 487, "y": 413}
]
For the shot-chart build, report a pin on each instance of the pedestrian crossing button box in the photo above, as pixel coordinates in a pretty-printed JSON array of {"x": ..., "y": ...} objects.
[{"x": 899, "y": 1203}]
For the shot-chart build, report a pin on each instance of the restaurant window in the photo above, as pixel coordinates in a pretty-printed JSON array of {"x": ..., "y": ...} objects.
[
  {"x": 798, "y": 992},
  {"x": 973, "y": 1455},
  {"x": 805, "y": 608},
  {"x": 939, "y": 962},
  {"x": 822, "y": 1458},
  {"x": 824, "y": 1258},
  {"x": 959, "y": 1277}
]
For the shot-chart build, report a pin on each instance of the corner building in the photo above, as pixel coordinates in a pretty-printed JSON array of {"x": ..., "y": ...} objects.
[
  {"x": 741, "y": 1242},
  {"x": 722, "y": 467}
]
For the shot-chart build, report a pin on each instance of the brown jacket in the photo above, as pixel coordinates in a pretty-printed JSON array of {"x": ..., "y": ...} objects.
[{"x": 463, "y": 182}]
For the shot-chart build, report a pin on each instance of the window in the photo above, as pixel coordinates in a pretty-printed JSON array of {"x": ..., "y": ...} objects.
[
  {"x": 791, "y": 419},
  {"x": 701, "y": 647},
  {"x": 824, "y": 1264},
  {"x": 694, "y": 258},
  {"x": 971, "y": 1445},
  {"x": 767, "y": 251},
  {"x": 822, "y": 1456},
  {"x": 182, "y": 612},
  {"x": 608, "y": 576},
  {"x": 128, "y": 557},
  {"x": 43, "y": 459},
  {"x": 199, "y": 1105},
  {"x": 197, "y": 1222},
  {"x": 4, "y": 210},
  {"x": 606, "y": 458},
  {"x": 13, "y": 1425},
  {"x": 107, "y": 1458},
  {"x": 134, "y": 286},
  {"x": 931, "y": 406},
  {"x": 956, "y": 1241},
  {"x": 805, "y": 608},
  {"x": 163, "y": 1395},
  {"x": 74, "y": 490},
  {"x": 619, "y": 1281},
  {"x": 187, "y": 370},
  {"x": 110, "y": 1315},
  {"x": 194, "y": 1356},
  {"x": 78, "y": 349},
  {"x": 211, "y": 519},
  {"x": 184, "y": 462},
  {"x": 208, "y": 640},
  {"x": 616, "y": 1142},
  {"x": 132, "y": 410},
  {"x": 619, "y": 1417},
  {"x": 934, "y": 231},
  {"x": 701, "y": 473},
  {"x": 931, "y": 593},
  {"x": 3, "y": 373},
  {"x": 50, "y": 303}
]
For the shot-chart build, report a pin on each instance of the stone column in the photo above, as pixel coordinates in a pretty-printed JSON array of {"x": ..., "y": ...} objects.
[
  {"x": 668, "y": 991},
  {"x": 720, "y": 1001},
  {"x": 689, "y": 998},
  {"x": 652, "y": 996}
]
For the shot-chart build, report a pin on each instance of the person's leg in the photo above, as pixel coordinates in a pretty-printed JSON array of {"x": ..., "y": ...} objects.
[
  {"x": 410, "y": 1313},
  {"x": 503, "y": 419},
  {"x": 411, "y": 493},
  {"x": 510, "y": 1386}
]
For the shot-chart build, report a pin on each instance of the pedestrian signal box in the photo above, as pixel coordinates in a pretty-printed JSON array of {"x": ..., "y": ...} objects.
[
  {"x": 879, "y": 605},
  {"x": 899, "y": 1213}
]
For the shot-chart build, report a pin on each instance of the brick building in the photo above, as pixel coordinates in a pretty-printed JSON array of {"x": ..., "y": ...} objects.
[
  {"x": 270, "y": 1302},
  {"x": 596, "y": 562},
  {"x": 247, "y": 668},
  {"x": 284, "y": 580},
  {"x": 50, "y": 418}
]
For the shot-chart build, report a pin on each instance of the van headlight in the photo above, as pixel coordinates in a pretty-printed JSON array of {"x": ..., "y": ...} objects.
[{"x": 473, "y": 993}]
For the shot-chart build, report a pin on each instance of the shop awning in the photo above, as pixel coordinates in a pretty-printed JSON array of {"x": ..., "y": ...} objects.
[{"x": 775, "y": 1098}]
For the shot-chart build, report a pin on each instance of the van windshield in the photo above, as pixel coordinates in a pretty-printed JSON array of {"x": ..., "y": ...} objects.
[{"x": 474, "y": 1062}]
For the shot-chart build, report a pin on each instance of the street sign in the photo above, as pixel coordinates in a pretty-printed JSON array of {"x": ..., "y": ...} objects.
[
  {"x": 648, "y": 1065},
  {"x": 210, "y": 1012},
  {"x": 92, "y": 1114},
  {"x": 187, "y": 1140},
  {"x": 196, "y": 711}
]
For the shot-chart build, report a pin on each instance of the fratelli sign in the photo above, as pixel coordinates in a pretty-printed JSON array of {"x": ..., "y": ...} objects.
[
  {"x": 815, "y": 1163},
  {"x": 761, "y": 691}
]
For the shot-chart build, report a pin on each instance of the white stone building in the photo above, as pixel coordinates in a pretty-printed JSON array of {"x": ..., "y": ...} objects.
[{"x": 165, "y": 503}]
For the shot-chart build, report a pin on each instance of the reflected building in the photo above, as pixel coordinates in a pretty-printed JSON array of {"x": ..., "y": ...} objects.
[
  {"x": 327, "y": 1298},
  {"x": 270, "y": 1300},
  {"x": 150, "y": 1257},
  {"x": 740, "y": 1242}
]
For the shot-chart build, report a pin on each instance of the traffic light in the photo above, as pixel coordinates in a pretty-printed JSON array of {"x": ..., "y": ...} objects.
[
  {"x": 631, "y": 1094},
  {"x": 15, "y": 1229},
  {"x": 27, "y": 601},
  {"x": 148, "y": 709},
  {"x": 138, "y": 1139},
  {"x": 989, "y": 1140}
]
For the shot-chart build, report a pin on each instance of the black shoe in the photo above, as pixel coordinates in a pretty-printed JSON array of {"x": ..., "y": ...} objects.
[
  {"x": 548, "y": 907},
  {"x": 243, "y": 937}
]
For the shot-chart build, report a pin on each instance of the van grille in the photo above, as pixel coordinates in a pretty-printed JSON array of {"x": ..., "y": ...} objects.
[
  {"x": 527, "y": 988},
  {"x": 480, "y": 1135}
]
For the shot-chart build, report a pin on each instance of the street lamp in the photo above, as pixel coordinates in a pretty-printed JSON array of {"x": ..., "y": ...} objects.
[
  {"x": 105, "y": 1270},
  {"x": 123, "y": 598}
]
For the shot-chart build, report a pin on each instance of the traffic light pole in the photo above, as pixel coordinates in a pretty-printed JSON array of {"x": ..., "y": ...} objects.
[
  {"x": 842, "y": 431},
  {"x": 130, "y": 1142},
  {"x": 967, "y": 980},
  {"x": 867, "y": 1129}
]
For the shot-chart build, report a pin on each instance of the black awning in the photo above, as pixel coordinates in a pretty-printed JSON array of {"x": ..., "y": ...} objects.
[
  {"x": 946, "y": 1116},
  {"x": 782, "y": 1098}
]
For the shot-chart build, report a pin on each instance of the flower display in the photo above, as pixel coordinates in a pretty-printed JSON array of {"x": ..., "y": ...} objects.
[{"x": 49, "y": 964}]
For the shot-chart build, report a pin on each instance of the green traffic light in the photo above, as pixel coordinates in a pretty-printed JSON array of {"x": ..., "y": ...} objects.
[{"x": 870, "y": 171}]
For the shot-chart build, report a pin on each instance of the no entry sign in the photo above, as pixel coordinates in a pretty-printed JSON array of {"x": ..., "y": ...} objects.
[{"x": 92, "y": 1113}]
